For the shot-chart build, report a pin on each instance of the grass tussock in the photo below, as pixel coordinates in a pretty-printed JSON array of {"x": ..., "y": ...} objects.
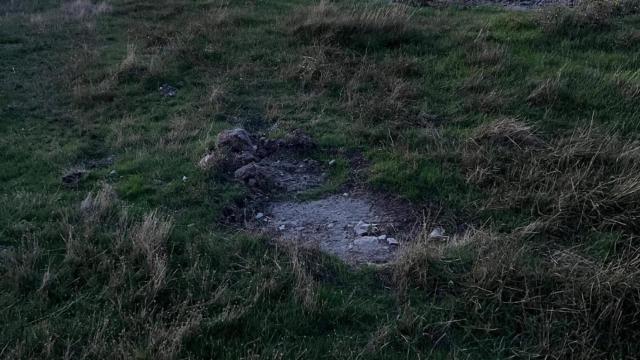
[
  {"x": 628, "y": 83},
  {"x": 80, "y": 9},
  {"x": 360, "y": 25},
  {"x": 588, "y": 179},
  {"x": 547, "y": 92},
  {"x": 587, "y": 307},
  {"x": 369, "y": 92},
  {"x": 584, "y": 16}
]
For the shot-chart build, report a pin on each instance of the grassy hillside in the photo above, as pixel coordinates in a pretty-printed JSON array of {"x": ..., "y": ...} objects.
[{"x": 523, "y": 125}]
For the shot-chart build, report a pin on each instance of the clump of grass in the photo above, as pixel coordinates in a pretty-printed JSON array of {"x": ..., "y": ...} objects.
[
  {"x": 149, "y": 241},
  {"x": 547, "y": 91},
  {"x": 628, "y": 83},
  {"x": 484, "y": 52},
  {"x": 80, "y": 9},
  {"x": 356, "y": 26},
  {"x": 586, "y": 306},
  {"x": 586, "y": 180},
  {"x": 370, "y": 92},
  {"x": 585, "y": 15}
]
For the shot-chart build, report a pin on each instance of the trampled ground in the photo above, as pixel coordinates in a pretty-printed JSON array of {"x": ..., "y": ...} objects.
[{"x": 513, "y": 132}]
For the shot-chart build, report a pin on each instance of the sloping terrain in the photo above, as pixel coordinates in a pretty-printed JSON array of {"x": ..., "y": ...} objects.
[{"x": 499, "y": 148}]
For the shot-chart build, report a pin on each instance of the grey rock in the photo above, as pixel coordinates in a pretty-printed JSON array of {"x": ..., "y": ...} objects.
[
  {"x": 235, "y": 140},
  {"x": 438, "y": 233},
  {"x": 392, "y": 241}
]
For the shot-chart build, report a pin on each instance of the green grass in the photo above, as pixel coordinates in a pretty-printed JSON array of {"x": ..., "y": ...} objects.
[{"x": 407, "y": 97}]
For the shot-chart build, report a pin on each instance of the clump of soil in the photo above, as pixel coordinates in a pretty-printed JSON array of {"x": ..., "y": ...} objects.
[{"x": 266, "y": 165}]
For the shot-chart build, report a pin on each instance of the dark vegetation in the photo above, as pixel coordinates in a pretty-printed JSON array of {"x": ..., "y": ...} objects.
[{"x": 523, "y": 124}]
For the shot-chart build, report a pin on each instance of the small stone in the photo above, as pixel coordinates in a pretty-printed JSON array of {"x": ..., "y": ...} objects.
[
  {"x": 382, "y": 237},
  {"x": 168, "y": 90},
  {"x": 437, "y": 233},
  {"x": 362, "y": 228},
  {"x": 392, "y": 241},
  {"x": 329, "y": 226},
  {"x": 282, "y": 227},
  {"x": 235, "y": 140},
  {"x": 184, "y": 178},
  {"x": 300, "y": 228},
  {"x": 113, "y": 173},
  {"x": 259, "y": 216},
  {"x": 345, "y": 194},
  {"x": 332, "y": 162}
]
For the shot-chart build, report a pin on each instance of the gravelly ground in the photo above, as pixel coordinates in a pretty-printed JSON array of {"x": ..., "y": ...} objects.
[{"x": 329, "y": 224}]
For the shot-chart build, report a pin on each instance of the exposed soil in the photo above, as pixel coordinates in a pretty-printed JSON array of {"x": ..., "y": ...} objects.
[{"x": 358, "y": 228}]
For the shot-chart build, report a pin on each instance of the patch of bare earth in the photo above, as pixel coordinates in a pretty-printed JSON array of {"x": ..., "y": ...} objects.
[{"x": 359, "y": 226}]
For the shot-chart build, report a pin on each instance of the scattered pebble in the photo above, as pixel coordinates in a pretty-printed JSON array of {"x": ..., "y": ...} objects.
[
  {"x": 382, "y": 237},
  {"x": 392, "y": 241},
  {"x": 184, "y": 178},
  {"x": 332, "y": 162},
  {"x": 259, "y": 216},
  {"x": 168, "y": 90},
  {"x": 282, "y": 227},
  {"x": 345, "y": 194}
]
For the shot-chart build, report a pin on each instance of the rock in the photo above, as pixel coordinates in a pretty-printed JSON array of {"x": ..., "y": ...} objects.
[
  {"x": 168, "y": 91},
  {"x": 332, "y": 162},
  {"x": 113, "y": 173},
  {"x": 259, "y": 216},
  {"x": 392, "y": 241},
  {"x": 184, "y": 178},
  {"x": 255, "y": 175},
  {"x": 235, "y": 140},
  {"x": 73, "y": 177},
  {"x": 437, "y": 234},
  {"x": 362, "y": 228},
  {"x": 282, "y": 227},
  {"x": 366, "y": 241},
  {"x": 382, "y": 237}
]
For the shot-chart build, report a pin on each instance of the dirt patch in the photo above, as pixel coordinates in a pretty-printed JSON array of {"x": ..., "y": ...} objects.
[{"x": 358, "y": 228}]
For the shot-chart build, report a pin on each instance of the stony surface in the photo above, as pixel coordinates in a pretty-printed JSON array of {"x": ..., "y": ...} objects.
[{"x": 330, "y": 224}]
